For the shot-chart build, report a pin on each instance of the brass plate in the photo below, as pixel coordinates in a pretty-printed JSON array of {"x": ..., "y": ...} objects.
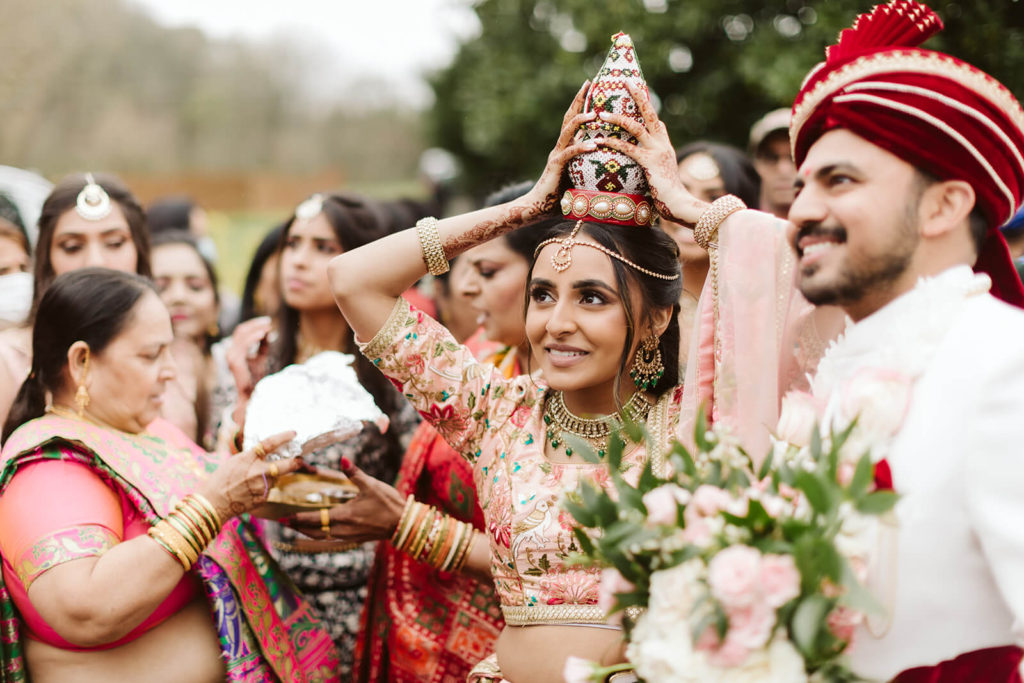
[{"x": 297, "y": 492}]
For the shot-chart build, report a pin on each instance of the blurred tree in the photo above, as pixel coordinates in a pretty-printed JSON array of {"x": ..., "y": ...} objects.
[
  {"x": 98, "y": 84},
  {"x": 716, "y": 65}
]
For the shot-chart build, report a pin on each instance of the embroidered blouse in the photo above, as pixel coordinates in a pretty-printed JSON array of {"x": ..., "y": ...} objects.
[{"x": 497, "y": 424}]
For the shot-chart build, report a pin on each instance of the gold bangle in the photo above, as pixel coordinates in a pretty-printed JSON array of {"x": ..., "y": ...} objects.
[
  {"x": 447, "y": 539},
  {"x": 178, "y": 542},
  {"x": 706, "y": 230},
  {"x": 197, "y": 514},
  {"x": 179, "y": 547},
  {"x": 208, "y": 507},
  {"x": 460, "y": 558},
  {"x": 186, "y": 532},
  {"x": 422, "y": 531},
  {"x": 434, "y": 539},
  {"x": 402, "y": 528},
  {"x": 155, "y": 535},
  {"x": 430, "y": 244}
]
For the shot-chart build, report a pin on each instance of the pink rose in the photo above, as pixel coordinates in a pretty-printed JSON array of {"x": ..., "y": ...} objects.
[
  {"x": 663, "y": 503},
  {"x": 708, "y": 500},
  {"x": 780, "y": 580},
  {"x": 796, "y": 419},
  {"x": 843, "y": 623},
  {"x": 751, "y": 626},
  {"x": 734, "y": 575},
  {"x": 697, "y": 532},
  {"x": 728, "y": 655},
  {"x": 612, "y": 582},
  {"x": 844, "y": 472}
]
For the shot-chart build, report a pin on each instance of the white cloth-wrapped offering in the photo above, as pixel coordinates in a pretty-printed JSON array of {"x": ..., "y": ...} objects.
[{"x": 321, "y": 400}]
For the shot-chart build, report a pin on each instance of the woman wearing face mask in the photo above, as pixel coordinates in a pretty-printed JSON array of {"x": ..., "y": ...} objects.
[
  {"x": 87, "y": 220},
  {"x": 15, "y": 261},
  {"x": 187, "y": 284},
  {"x": 415, "y": 610},
  {"x": 308, "y": 322}
]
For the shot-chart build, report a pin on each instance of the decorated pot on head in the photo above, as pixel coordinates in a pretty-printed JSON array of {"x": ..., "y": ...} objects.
[{"x": 608, "y": 186}]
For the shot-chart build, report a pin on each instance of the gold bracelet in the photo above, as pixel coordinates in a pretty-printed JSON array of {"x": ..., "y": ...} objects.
[
  {"x": 402, "y": 529},
  {"x": 421, "y": 531},
  {"x": 198, "y": 516},
  {"x": 448, "y": 539},
  {"x": 434, "y": 539},
  {"x": 167, "y": 547},
  {"x": 430, "y": 244},
  {"x": 171, "y": 539},
  {"x": 459, "y": 561},
  {"x": 183, "y": 528},
  {"x": 205, "y": 505},
  {"x": 178, "y": 542},
  {"x": 706, "y": 230}
]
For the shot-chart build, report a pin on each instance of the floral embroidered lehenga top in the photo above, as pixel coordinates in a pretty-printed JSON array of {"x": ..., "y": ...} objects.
[{"x": 497, "y": 424}]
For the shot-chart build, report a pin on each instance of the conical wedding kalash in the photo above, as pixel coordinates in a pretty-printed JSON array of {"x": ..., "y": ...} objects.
[{"x": 608, "y": 186}]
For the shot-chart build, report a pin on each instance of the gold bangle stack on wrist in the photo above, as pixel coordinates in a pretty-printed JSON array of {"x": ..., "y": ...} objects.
[
  {"x": 430, "y": 244},
  {"x": 430, "y": 536},
  {"x": 187, "y": 530},
  {"x": 705, "y": 233}
]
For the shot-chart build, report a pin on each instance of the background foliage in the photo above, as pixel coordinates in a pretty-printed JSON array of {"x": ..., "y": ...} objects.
[{"x": 717, "y": 66}]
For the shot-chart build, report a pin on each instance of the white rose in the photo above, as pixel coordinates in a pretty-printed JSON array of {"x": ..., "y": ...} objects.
[
  {"x": 662, "y": 652},
  {"x": 778, "y": 663},
  {"x": 857, "y": 532},
  {"x": 673, "y": 591},
  {"x": 797, "y": 418},
  {"x": 878, "y": 398},
  {"x": 578, "y": 670}
]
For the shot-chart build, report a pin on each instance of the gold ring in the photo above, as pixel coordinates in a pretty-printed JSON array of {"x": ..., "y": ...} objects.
[
  {"x": 325, "y": 522},
  {"x": 259, "y": 450},
  {"x": 273, "y": 470}
]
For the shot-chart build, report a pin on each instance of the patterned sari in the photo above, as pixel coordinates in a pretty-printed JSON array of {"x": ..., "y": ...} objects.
[
  {"x": 267, "y": 631},
  {"x": 422, "y": 625}
]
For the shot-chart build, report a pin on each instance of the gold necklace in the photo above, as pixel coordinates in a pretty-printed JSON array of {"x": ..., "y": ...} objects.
[
  {"x": 595, "y": 431},
  {"x": 305, "y": 349},
  {"x": 61, "y": 411}
]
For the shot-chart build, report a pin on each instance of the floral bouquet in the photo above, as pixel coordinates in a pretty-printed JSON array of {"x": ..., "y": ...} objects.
[{"x": 746, "y": 574}]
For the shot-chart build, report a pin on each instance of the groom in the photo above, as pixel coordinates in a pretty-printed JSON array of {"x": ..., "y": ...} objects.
[{"x": 909, "y": 161}]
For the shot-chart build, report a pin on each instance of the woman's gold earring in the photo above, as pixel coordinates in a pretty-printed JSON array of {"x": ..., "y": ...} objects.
[
  {"x": 82, "y": 394},
  {"x": 647, "y": 365}
]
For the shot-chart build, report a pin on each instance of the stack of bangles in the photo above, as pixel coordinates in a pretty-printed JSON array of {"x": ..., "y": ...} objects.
[
  {"x": 430, "y": 536},
  {"x": 187, "y": 530}
]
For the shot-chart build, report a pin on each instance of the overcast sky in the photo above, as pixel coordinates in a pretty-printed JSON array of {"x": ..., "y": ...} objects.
[{"x": 397, "y": 40}]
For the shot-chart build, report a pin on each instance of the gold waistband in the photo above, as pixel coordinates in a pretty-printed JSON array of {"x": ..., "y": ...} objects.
[{"x": 536, "y": 615}]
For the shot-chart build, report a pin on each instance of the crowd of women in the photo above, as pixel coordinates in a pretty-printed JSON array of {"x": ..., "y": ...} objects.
[{"x": 124, "y": 491}]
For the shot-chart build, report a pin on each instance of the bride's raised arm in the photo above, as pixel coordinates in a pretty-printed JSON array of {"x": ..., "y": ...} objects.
[{"x": 367, "y": 281}]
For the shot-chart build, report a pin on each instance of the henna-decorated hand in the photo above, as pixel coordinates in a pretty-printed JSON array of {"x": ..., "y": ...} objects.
[
  {"x": 370, "y": 516},
  {"x": 242, "y": 481},
  {"x": 654, "y": 152},
  {"x": 547, "y": 192}
]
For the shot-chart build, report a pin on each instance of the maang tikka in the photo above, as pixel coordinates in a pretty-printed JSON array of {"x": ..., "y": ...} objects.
[{"x": 93, "y": 202}]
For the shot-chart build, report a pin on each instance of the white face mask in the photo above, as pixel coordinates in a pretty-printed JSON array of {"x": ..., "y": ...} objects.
[{"x": 15, "y": 297}]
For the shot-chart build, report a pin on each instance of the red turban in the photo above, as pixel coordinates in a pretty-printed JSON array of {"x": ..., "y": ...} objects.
[{"x": 934, "y": 111}]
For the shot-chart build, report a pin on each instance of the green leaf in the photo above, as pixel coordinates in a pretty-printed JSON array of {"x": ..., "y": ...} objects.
[
  {"x": 808, "y": 618},
  {"x": 700, "y": 430},
  {"x": 581, "y": 513},
  {"x": 766, "y": 466},
  {"x": 816, "y": 443},
  {"x": 877, "y": 502},
  {"x": 582, "y": 447},
  {"x": 586, "y": 544},
  {"x": 816, "y": 491},
  {"x": 616, "y": 447},
  {"x": 861, "y": 477},
  {"x": 855, "y": 595}
]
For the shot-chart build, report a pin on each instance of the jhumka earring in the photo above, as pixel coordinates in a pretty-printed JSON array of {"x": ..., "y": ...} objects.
[
  {"x": 647, "y": 365},
  {"x": 82, "y": 394}
]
